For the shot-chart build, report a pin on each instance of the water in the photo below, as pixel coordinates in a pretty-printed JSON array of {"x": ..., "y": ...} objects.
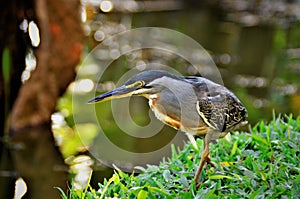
[{"x": 258, "y": 59}]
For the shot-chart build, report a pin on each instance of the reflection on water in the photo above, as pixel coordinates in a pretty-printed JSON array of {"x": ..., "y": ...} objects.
[
  {"x": 20, "y": 188},
  {"x": 37, "y": 164}
]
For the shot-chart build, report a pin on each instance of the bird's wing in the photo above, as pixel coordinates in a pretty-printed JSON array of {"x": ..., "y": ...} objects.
[
  {"x": 222, "y": 112},
  {"x": 211, "y": 112},
  {"x": 217, "y": 106}
]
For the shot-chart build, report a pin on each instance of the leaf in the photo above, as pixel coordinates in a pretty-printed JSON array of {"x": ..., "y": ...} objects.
[
  {"x": 142, "y": 194},
  {"x": 234, "y": 148},
  {"x": 116, "y": 180},
  {"x": 260, "y": 140},
  {"x": 218, "y": 177},
  {"x": 142, "y": 169},
  {"x": 183, "y": 181},
  {"x": 108, "y": 183},
  {"x": 167, "y": 175},
  {"x": 88, "y": 183},
  {"x": 226, "y": 164},
  {"x": 254, "y": 194},
  {"x": 153, "y": 168},
  {"x": 174, "y": 152},
  {"x": 250, "y": 174},
  {"x": 259, "y": 193},
  {"x": 263, "y": 175},
  {"x": 269, "y": 134},
  {"x": 158, "y": 190},
  {"x": 262, "y": 127},
  {"x": 62, "y": 193}
]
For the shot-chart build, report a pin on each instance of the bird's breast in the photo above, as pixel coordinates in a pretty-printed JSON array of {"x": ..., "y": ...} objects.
[
  {"x": 161, "y": 114},
  {"x": 173, "y": 121}
]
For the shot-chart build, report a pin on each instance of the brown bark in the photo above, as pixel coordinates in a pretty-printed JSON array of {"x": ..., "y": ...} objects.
[
  {"x": 34, "y": 156},
  {"x": 57, "y": 56}
]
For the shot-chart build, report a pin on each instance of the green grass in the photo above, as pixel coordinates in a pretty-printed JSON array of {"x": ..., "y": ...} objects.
[{"x": 262, "y": 164}]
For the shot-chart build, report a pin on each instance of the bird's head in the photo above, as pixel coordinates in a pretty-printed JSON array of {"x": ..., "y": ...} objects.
[{"x": 140, "y": 85}]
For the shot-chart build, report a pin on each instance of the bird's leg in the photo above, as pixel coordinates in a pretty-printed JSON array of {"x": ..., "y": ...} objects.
[
  {"x": 204, "y": 157},
  {"x": 210, "y": 162},
  {"x": 208, "y": 158}
]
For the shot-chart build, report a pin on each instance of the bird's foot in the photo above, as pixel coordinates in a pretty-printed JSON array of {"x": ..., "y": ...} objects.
[
  {"x": 198, "y": 185},
  {"x": 191, "y": 186},
  {"x": 208, "y": 161}
]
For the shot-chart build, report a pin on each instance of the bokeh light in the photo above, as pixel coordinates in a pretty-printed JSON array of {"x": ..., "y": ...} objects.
[
  {"x": 106, "y": 6},
  {"x": 20, "y": 188},
  {"x": 30, "y": 61},
  {"x": 34, "y": 34},
  {"x": 82, "y": 86}
]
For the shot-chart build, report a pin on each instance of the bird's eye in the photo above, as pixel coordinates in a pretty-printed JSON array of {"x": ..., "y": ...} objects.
[{"x": 138, "y": 84}]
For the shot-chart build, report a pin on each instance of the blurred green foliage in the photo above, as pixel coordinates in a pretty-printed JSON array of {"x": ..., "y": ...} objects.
[
  {"x": 71, "y": 142},
  {"x": 294, "y": 35},
  {"x": 6, "y": 65}
]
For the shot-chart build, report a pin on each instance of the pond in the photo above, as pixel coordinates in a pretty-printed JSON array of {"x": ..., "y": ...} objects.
[{"x": 257, "y": 59}]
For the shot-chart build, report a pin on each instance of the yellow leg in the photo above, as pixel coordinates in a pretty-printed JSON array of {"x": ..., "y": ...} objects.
[
  {"x": 210, "y": 162},
  {"x": 204, "y": 157}
]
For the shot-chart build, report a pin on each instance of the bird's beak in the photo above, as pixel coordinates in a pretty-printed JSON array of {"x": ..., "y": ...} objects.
[{"x": 120, "y": 92}]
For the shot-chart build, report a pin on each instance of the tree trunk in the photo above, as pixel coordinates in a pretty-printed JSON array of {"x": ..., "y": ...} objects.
[
  {"x": 33, "y": 154},
  {"x": 57, "y": 56}
]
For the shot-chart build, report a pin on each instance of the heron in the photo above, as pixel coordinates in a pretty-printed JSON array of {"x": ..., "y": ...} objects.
[{"x": 192, "y": 104}]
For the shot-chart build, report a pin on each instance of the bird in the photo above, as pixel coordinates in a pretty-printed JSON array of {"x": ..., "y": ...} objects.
[{"x": 192, "y": 104}]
